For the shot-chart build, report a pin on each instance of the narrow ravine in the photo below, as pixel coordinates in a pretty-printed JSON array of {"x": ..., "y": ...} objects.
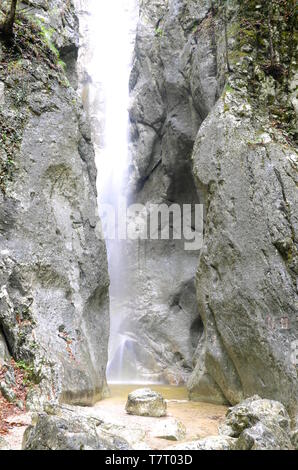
[{"x": 148, "y": 247}]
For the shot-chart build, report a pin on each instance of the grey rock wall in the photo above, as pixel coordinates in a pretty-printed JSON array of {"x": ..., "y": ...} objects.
[
  {"x": 175, "y": 81},
  {"x": 198, "y": 135},
  {"x": 246, "y": 289},
  {"x": 53, "y": 269}
]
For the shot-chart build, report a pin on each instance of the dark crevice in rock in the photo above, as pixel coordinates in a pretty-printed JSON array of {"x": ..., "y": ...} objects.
[
  {"x": 196, "y": 331},
  {"x": 143, "y": 181},
  {"x": 2, "y": 331},
  {"x": 69, "y": 55}
]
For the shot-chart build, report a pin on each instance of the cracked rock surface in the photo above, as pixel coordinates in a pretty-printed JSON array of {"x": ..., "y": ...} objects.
[
  {"x": 205, "y": 129},
  {"x": 53, "y": 266}
]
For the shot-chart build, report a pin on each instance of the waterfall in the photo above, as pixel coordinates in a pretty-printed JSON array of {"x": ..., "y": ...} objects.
[
  {"x": 112, "y": 24},
  {"x": 111, "y": 28}
]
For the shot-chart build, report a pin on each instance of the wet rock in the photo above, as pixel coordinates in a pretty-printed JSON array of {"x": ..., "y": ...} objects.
[
  {"x": 171, "y": 430},
  {"x": 259, "y": 424},
  {"x": 264, "y": 437},
  {"x": 209, "y": 443},
  {"x": 4, "y": 444},
  {"x": 9, "y": 377},
  {"x": 34, "y": 400},
  {"x": 69, "y": 431},
  {"x": 4, "y": 354},
  {"x": 254, "y": 424},
  {"x": 145, "y": 402},
  {"x": 134, "y": 435},
  {"x": 7, "y": 392},
  {"x": 252, "y": 411},
  {"x": 167, "y": 100}
]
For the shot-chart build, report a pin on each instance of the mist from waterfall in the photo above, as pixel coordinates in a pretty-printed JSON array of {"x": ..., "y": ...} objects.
[{"x": 111, "y": 29}]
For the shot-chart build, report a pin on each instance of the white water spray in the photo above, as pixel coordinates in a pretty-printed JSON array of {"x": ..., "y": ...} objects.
[{"x": 111, "y": 26}]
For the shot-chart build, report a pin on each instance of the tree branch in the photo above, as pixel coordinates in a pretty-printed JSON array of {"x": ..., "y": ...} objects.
[{"x": 6, "y": 28}]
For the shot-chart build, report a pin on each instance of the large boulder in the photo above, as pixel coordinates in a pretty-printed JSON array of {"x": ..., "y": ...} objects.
[
  {"x": 7, "y": 392},
  {"x": 252, "y": 411},
  {"x": 254, "y": 424},
  {"x": 145, "y": 402},
  {"x": 208, "y": 443},
  {"x": 170, "y": 430},
  {"x": 259, "y": 424},
  {"x": 69, "y": 431},
  {"x": 264, "y": 437}
]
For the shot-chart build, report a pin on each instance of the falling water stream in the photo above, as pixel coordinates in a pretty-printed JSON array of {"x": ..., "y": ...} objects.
[{"x": 111, "y": 31}]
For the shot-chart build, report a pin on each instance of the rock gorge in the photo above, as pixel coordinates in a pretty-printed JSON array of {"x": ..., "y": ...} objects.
[
  {"x": 203, "y": 131},
  {"x": 212, "y": 122}
]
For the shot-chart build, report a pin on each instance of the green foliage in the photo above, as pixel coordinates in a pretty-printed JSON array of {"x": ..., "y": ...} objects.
[
  {"x": 264, "y": 55},
  {"x": 159, "y": 32},
  {"x": 31, "y": 376},
  {"x": 32, "y": 48},
  {"x": 47, "y": 34}
]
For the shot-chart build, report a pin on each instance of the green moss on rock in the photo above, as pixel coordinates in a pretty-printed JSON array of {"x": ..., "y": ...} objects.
[
  {"x": 31, "y": 49},
  {"x": 262, "y": 45}
]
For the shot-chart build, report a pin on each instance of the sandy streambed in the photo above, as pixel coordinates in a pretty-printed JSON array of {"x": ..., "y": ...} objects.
[{"x": 199, "y": 419}]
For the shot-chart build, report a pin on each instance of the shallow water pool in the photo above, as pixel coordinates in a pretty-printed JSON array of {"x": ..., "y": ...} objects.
[{"x": 200, "y": 419}]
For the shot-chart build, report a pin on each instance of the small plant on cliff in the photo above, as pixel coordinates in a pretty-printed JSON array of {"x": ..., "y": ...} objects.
[
  {"x": 262, "y": 50},
  {"x": 158, "y": 32},
  {"x": 6, "y": 28},
  {"x": 30, "y": 375},
  {"x": 46, "y": 34}
]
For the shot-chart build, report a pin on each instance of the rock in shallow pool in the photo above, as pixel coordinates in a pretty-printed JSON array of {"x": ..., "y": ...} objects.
[{"x": 146, "y": 402}]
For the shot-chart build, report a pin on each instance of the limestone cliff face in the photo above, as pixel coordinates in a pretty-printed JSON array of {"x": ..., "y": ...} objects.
[
  {"x": 165, "y": 118},
  {"x": 53, "y": 267},
  {"x": 209, "y": 82}
]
